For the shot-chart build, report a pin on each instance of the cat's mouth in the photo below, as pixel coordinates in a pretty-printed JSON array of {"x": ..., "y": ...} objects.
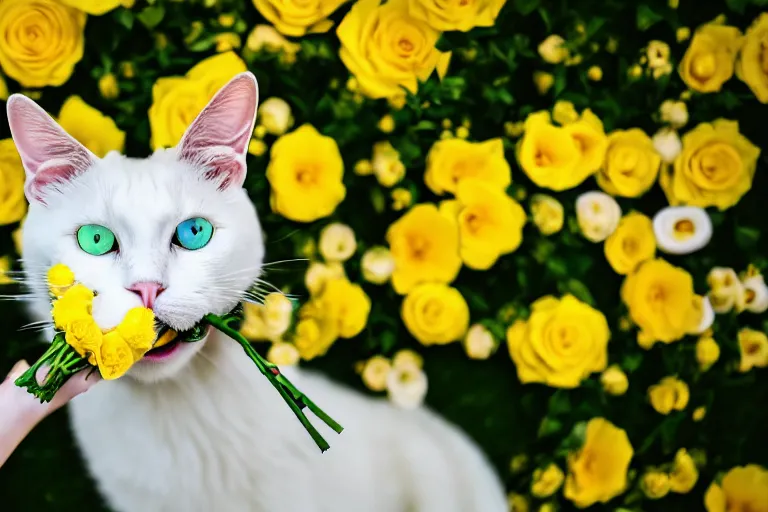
[{"x": 169, "y": 340}]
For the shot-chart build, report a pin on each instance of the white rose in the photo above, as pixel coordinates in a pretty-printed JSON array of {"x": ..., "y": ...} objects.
[
  {"x": 479, "y": 342},
  {"x": 725, "y": 289},
  {"x": 275, "y": 116},
  {"x": 755, "y": 294},
  {"x": 407, "y": 386},
  {"x": 598, "y": 215},
  {"x": 377, "y": 265},
  {"x": 337, "y": 242},
  {"x": 667, "y": 144},
  {"x": 674, "y": 113},
  {"x": 682, "y": 229}
]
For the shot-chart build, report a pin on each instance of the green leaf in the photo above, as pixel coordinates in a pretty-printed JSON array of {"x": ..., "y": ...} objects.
[
  {"x": 737, "y": 5},
  {"x": 526, "y": 7},
  {"x": 388, "y": 341},
  {"x": 549, "y": 427},
  {"x": 646, "y": 17},
  {"x": 151, "y": 16},
  {"x": 125, "y": 18},
  {"x": 578, "y": 290},
  {"x": 631, "y": 362},
  {"x": 746, "y": 237},
  {"x": 559, "y": 403}
]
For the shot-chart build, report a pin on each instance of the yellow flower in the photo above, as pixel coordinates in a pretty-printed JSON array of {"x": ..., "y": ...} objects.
[
  {"x": 315, "y": 332},
  {"x": 40, "y": 41},
  {"x": 564, "y": 113},
  {"x": 490, "y": 222},
  {"x": 456, "y": 15},
  {"x": 660, "y": 299},
  {"x": 435, "y": 314},
  {"x": 699, "y": 413},
  {"x": 294, "y": 18},
  {"x": 386, "y": 163},
  {"x": 75, "y": 304},
  {"x": 753, "y": 348},
  {"x": 406, "y": 357},
  {"x": 614, "y": 380},
  {"x": 5, "y": 267},
  {"x": 84, "y": 335},
  {"x": 3, "y": 89},
  {"x": 590, "y": 138},
  {"x": 561, "y": 343},
  {"x": 479, "y": 342},
  {"x": 598, "y": 472},
  {"x": 265, "y": 37},
  {"x": 725, "y": 290},
  {"x": 547, "y": 214},
  {"x": 597, "y": 215},
  {"x": 375, "y": 373},
  {"x": 94, "y": 130},
  {"x": 305, "y": 172},
  {"x": 674, "y": 113},
  {"x": 715, "y": 168},
  {"x": 137, "y": 329},
  {"x": 283, "y": 354},
  {"x": 13, "y": 203},
  {"x": 402, "y": 198},
  {"x": 518, "y": 503},
  {"x": 549, "y": 154},
  {"x": 363, "y": 167},
  {"x": 547, "y": 481},
  {"x": 631, "y": 164},
  {"x": 227, "y": 41},
  {"x": 377, "y": 265},
  {"x": 709, "y": 61},
  {"x": 277, "y": 314},
  {"x": 655, "y": 484},
  {"x": 114, "y": 357},
  {"x": 108, "y": 86},
  {"x": 275, "y": 116},
  {"x": 257, "y": 147},
  {"x": 707, "y": 352},
  {"x": 553, "y": 49},
  {"x": 337, "y": 242},
  {"x": 60, "y": 278},
  {"x": 253, "y": 326},
  {"x": 670, "y": 394},
  {"x": 386, "y": 49},
  {"x": 657, "y": 54},
  {"x": 631, "y": 244},
  {"x": 347, "y": 304},
  {"x": 543, "y": 81},
  {"x": 742, "y": 488},
  {"x": 595, "y": 73},
  {"x": 386, "y": 124},
  {"x": 318, "y": 274},
  {"x": 176, "y": 101},
  {"x": 684, "y": 474},
  {"x": 682, "y": 34},
  {"x": 96, "y": 7},
  {"x": 425, "y": 246},
  {"x": 452, "y": 160},
  {"x": 751, "y": 66}
]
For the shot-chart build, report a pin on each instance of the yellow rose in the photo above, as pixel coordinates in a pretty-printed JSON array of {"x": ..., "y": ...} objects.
[
  {"x": 60, "y": 278},
  {"x": 564, "y": 112},
  {"x": 632, "y": 243},
  {"x": 96, "y": 7},
  {"x": 670, "y": 394},
  {"x": 751, "y": 66},
  {"x": 598, "y": 471},
  {"x": 109, "y": 87},
  {"x": 715, "y": 167},
  {"x": 277, "y": 314},
  {"x": 726, "y": 290},
  {"x": 742, "y": 488},
  {"x": 490, "y": 222},
  {"x": 549, "y": 154},
  {"x": 265, "y": 37},
  {"x": 75, "y": 304},
  {"x": 275, "y": 116},
  {"x": 452, "y": 160},
  {"x": 435, "y": 314},
  {"x": 40, "y": 41},
  {"x": 456, "y": 14},
  {"x": 425, "y": 247},
  {"x": 94, "y": 130},
  {"x": 377, "y": 265},
  {"x": 543, "y": 81},
  {"x": 337, "y": 242},
  {"x": 518, "y": 503},
  {"x": 283, "y": 354},
  {"x": 176, "y": 101},
  {"x": 386, "y": 49},
  {"x": 406, "y": 357},
  {"x": 13, "y": 203},
  {"x": 707, "y": 352},
  {"x": 137, "y": 329},
  {"x": 386, "y": 164},
  {"x": 684, "y": 474},
  {"x": 318, "y": 274},
  {"x": 661, "y": 302},
  {"x": 84, "y": 335},
  {"x": 305, "y": 172},
  {"x": 614, "y": 381},
  {"x": 709, "y": 61},
  {"x": 479, "y": 342},
  {"x": 375, "y": 373},
  {"x": 402, "y": 198},
  {"x": 114, "y": 357},
  {"x": 655, "y": 484},
  {"x": 297, "y": 18},
  {"x": 631, "y": 164},
  {"x": 547, "y": 214},
  {"x": 315, "y": 332},
  {"x": 347, "y": 304},
  {"x": 547, "y": 481},
  {"x": 553, "y": 49},
  {"x": 590, "y": 138},
  {"x": 3, "y": 89},
  {"x": 753, "y": 348},
  {"x": 561, "y": 343}
]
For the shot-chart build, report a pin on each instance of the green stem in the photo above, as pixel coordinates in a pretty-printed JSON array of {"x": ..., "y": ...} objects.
[
  {"x": 295, "y": 399},
  {"x": 63, "y": 361}
]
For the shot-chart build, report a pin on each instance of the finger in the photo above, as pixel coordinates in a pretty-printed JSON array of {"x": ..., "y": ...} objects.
[{"x": 76, "y": 385}]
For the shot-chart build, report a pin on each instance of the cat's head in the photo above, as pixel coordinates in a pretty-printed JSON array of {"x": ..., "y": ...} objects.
[{"x": 175, "y": 231}]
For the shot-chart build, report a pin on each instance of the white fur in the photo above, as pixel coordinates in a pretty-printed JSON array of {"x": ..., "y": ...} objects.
[{"x": 205, "y": 431}]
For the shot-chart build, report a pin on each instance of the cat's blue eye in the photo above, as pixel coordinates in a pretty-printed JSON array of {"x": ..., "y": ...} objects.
[
  {"x": 96, "y": 240},
  {"x": 193, "y": 234}
]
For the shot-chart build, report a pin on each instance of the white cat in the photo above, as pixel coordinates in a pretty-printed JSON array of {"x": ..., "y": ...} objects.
[{"x": 194, "y": 426}]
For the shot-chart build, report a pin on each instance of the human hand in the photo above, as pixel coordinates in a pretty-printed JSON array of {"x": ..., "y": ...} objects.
[{"x": 20, "y": 412}]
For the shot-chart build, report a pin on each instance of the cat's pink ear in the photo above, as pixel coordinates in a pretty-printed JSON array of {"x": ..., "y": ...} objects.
[
  {"x": 50, "y": 156},
  {"x": 217, "y": 140}
]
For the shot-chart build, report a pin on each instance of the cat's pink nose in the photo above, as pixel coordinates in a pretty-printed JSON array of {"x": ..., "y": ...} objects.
[{"x": 148, "y": 292}]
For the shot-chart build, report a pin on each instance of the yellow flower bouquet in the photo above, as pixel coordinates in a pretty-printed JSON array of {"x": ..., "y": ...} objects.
[{"x": 80, "y": 344}]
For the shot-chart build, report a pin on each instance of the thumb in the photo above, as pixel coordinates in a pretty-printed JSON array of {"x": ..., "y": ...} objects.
[{"x": 76, "y": 385}]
